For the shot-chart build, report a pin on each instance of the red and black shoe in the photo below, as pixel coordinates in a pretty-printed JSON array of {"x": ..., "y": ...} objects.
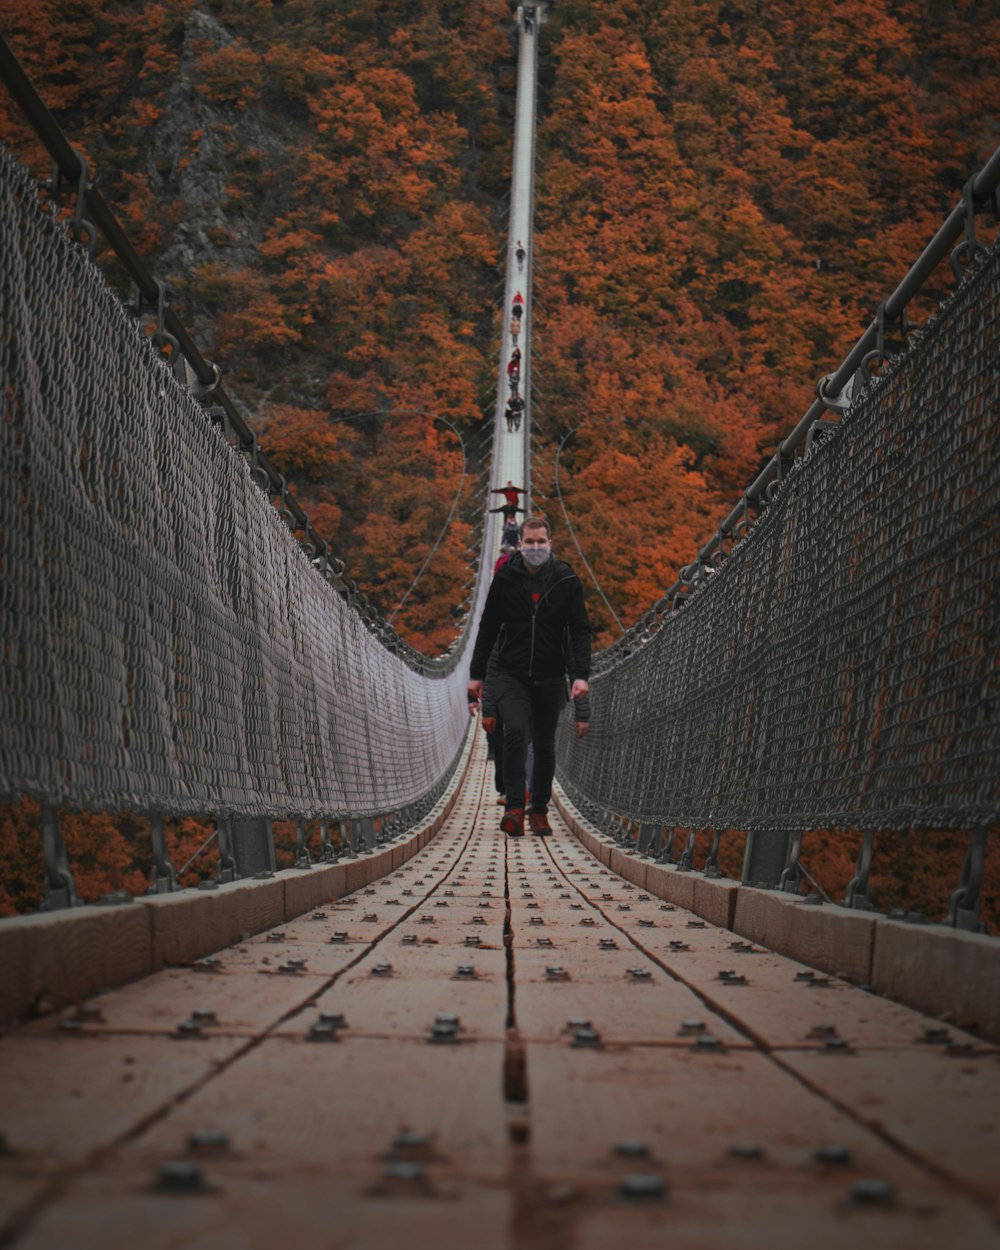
[
  {"x": 512, "y": 822},
  {"x": 539, "y": 823}
]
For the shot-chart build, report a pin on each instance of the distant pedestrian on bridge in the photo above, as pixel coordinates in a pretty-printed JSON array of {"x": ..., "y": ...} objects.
[
  {"x": 517, "y": 307},
  {"x": 514, "y": 366},
  {"x": 537, "y": 601},
  {"x": 519, "y": 255},
  {"x": 511, "y": 493},
  {"x": 513, "y": 413}
]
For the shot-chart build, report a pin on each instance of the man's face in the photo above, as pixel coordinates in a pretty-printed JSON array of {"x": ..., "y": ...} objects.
[
  {"x": 535, "y": 547},
  {"x": 535, "y": 538}
]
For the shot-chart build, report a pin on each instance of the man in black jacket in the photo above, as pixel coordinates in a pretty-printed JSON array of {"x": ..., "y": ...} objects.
[{"x": 535, "y": 608}]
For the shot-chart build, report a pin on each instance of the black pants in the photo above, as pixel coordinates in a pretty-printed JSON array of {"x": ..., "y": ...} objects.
[{"x": 529, "y": 707}]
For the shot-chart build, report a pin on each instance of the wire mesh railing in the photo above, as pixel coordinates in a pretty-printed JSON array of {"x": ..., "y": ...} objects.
[{"x": 836, "y": 669}]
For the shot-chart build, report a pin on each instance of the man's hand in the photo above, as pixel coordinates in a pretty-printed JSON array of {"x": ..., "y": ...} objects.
[
  {"x": 581, "y": 727},
  {"x": 579, "y": 687},
  {"x": 489, "y": 724},
  {"x": 474, "y": 694}
]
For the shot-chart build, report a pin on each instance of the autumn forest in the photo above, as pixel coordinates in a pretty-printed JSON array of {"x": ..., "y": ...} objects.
[{"x": 726, "y": 190}]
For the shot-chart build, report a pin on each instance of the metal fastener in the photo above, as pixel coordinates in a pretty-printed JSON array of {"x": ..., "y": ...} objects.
[
  {"x": 207, "y": 1141},
  {"x": 336, "y": 938},
  {"x": 729, "y": 977},
  {"x": 180, "y": 1176},
  {"x": 832, "y": 1154},
  {"x": 442, "y": 1034},
  {"x": 466, "y": 972},
  {"x": 409, "y": 939},
  {"x": 676, "y": 945},
  {"x": 586, "y": 1036},
  {"x": 322, "y": 1032},
  {"x": 556, "y": 973},
  {"x": 705, "y": 1041},
  {"x": 643, "y": 1188},
  {"x": 382, "y": 969},
  {"x": 690, "y": 1027},
  {"x": 639, "y": 974},
  {"x": 872, "y": 1193},
  {"x": 189, "y": 1029},
  {"x": 318, "y": 915},
  {"x": 607, "y": 944},
  {"x": 209, "y": 964},
  {"x": 276, "y": 937}
]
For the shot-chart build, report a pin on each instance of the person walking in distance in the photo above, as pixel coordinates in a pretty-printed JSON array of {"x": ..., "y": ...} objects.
[{"x": 537, "y": 602}]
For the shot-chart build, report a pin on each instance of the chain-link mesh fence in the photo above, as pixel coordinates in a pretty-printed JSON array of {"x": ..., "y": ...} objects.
[
  {"x": 841, "y": 669},
  {"x": 167, "y": 645}
]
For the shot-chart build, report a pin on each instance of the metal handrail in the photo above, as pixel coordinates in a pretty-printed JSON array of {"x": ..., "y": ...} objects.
[
  {"x": 980, "y": 193},
  {"x": 72, "y": 166}
]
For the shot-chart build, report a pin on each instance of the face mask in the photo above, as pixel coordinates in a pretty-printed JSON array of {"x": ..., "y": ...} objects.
[{"x": 535, "y": 556}]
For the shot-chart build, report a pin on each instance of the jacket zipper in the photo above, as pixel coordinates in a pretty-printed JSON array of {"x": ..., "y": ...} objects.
[{"x": 534, "y": 615}]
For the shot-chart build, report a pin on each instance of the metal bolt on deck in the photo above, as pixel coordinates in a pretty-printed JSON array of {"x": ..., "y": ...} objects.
[
  {"x": 643, "y": 1188},
  {"x": 872, "y": 1193},
  {"x": 208, "y": 1141},
  {"x": 180, "y": 1176},
  {"x": 839, "y": 1155},
  {"x": 188, "y": 1029}
]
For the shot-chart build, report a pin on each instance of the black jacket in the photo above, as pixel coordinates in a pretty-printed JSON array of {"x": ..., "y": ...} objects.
[{"x": 543, "y": 639}]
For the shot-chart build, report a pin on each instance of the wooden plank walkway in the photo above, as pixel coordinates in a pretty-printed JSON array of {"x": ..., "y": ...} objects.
[{"x": 620, "y": 1073}]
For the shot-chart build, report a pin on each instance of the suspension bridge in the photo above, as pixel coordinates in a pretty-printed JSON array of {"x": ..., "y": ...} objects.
[{"x": 425, "y": 1031}]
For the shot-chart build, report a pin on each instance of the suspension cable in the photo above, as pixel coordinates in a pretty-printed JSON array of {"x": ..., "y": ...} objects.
[
  {"x": 569, "y": 526},
  {"x": 448, "y": 521}
]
